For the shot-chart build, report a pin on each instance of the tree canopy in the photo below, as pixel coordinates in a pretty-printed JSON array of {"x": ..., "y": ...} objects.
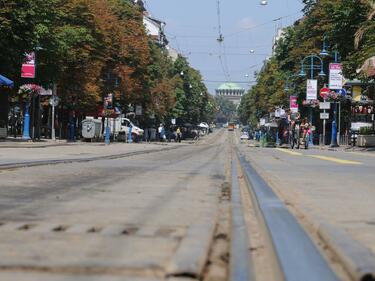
[
  {"x": 92, "y": 48},
  {"x": 346, "y": 26}
]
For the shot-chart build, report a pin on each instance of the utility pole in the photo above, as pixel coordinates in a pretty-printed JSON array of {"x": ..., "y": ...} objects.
[{"x": 54, "y": 94}]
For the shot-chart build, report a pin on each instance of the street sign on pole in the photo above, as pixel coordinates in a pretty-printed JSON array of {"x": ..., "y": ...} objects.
[
  {"x": 138, "y": 110},
  {"x": 293, "y": 105},
  {"x": 324, "y": 92},
  {"x": 324, "y": 115},
  {"x": 54, "y": 100},
  {"x": 325, "y": 105},
  {"x": 335, "y": 76},
  {"x": 342, "y": 92},
  {"x": 312, "y": 89}
]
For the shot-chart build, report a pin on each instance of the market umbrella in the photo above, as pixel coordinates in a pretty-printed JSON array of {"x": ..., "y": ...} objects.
[
  {"x": 368, "y": 67},
  {"x": 5, "y": 81}
]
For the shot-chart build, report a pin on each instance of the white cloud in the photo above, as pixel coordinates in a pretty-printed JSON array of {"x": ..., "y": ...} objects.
[{"x": 246, "y": 23}]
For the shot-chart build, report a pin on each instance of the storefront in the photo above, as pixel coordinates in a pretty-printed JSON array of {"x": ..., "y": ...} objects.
[{"x": 5, "y": 85}]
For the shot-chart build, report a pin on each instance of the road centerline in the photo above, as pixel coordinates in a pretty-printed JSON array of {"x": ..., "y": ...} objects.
[
  {"x": 334, "y": 159},
  {"x": 289, "y": 152},
  {"x": 321, "y": 157}
]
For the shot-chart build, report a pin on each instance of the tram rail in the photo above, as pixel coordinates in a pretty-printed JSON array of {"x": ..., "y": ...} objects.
[{"x": 298, "y": 258}]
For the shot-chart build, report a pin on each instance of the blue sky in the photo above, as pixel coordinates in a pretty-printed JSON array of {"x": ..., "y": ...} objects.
[{"x": 192, "y": 29}]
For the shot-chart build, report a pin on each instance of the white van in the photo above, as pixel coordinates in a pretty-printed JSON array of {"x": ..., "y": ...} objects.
[{"x": 120, "y": 128}]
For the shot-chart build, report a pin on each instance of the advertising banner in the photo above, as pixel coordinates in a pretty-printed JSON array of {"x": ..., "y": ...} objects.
[
  {"x": 108, "y": 101},
  {"x": 28, "y": 67},
  {"x": 335, "y": 76},
  {"x": 138, "y": 110},
  {"x": 312, "y": 89},
  {"x": 293, "y": 104}
]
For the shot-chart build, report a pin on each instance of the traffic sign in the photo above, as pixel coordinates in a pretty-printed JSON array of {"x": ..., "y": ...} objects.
[
  {"x": 324, "y": 115},
  {"x": 324, "y": 105},
  {"x": 324, "y": 92},
  {"x": 54, "y": 101},
  {"x": 342, "y": 92}
]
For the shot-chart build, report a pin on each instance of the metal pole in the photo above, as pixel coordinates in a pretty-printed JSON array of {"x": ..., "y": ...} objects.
[
  {"x": 107, "y": 133},
  {"x": 311, "y": 110},
  {"x": 334, "y": 127},
  {"x": 33, "y": 118},
  {"x": 53, "y": 133},
  {"x": 334, "y": 124},
  {"x": 130, "y": 140},
  {"x": 324, "y": 129},
  {"x": 26, "y": 123},
  {"x": 339, "y": 125}
]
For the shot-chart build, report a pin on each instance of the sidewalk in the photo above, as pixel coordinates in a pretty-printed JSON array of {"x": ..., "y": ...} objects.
[
  {"x": 343, "y": 148},
  {"x": 13, "y": 154},
  {"x": 19, "y": 153},
  {"x": 20, "y": 143}
]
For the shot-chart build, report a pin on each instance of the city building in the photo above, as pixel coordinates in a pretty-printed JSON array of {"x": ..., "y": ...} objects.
[{"x": 231, "y": 91}]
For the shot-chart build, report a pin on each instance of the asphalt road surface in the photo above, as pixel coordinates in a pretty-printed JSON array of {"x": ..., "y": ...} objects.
[
  {"x": 144, "y": 217},
  {"x": 152, "y": 212},
  {"x": 333, "y": 187}
]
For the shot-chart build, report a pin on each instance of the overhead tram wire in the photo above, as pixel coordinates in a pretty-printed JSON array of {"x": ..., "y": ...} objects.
[
  {"x": 261, "y": 24},
  {"x": 220, "y": 40}
]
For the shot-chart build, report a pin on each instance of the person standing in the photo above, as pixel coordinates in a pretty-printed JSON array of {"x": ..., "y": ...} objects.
[{"x": 160, "y": 129}]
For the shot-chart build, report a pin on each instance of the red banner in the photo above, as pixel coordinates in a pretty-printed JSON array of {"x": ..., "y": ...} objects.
[{"x": 28, "y": 67}]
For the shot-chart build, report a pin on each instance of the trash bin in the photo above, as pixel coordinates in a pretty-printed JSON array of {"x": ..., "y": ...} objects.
[
  {"x": 3, "y": 132},
  {"x": 91, "y": 129},
  {"x": 152, "y": 134}
]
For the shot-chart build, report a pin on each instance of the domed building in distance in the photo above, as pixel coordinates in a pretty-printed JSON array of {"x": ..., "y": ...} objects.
[{"x": 231, "y": 91}]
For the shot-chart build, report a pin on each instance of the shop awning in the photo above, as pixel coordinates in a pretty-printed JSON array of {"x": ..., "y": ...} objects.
[
  {"x": 5, "y": 81},
  {"x": 368, "y": 67}
]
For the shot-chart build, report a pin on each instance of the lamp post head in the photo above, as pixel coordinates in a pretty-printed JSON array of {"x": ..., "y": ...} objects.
[
  {"x": 302, "y": 73},
  {"x": 263, "y": 2},
  {"x": 324, "y": 52},
  {"x": 321, "y": 73}
]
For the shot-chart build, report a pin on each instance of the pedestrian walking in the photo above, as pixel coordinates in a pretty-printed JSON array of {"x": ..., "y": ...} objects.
[
  {"x": 178, "y": 135},
  {"x": 161, "y": 132}
]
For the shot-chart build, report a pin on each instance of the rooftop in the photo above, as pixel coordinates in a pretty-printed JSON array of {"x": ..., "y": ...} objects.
[{"x": 230, "y": 86}]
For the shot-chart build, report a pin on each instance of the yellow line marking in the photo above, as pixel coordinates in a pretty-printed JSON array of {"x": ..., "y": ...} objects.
[
  {"x": 362, "y": 154},
  {"x": 326, "y": 158},
  {"x": 289, "y": 152},
  {"x": 332, "y": 159}
]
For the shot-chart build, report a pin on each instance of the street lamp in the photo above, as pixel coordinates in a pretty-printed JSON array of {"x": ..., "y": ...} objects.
[
  {"x": 313, "y": 66},
  {"x": 336, "y": 55}
]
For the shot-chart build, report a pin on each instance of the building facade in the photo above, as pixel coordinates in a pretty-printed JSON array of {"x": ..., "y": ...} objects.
[{"x": 231, "y": 91}]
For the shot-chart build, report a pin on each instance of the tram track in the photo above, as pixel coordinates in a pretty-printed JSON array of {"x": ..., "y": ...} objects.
[{"x": 297, "y": 256}]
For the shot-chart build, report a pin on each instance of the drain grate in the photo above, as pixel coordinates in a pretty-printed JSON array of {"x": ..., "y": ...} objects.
[
  {"x": 94, "y": 229},
  {"x": 60, "y": 228},
  {"x": 130, "y": 230},
  {"x": 26, "y": 227},
  {"x": 106, "y": 230}
]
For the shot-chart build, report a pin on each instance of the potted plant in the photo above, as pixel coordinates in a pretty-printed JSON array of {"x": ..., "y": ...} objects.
[{"x": 366, "y": 137}]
